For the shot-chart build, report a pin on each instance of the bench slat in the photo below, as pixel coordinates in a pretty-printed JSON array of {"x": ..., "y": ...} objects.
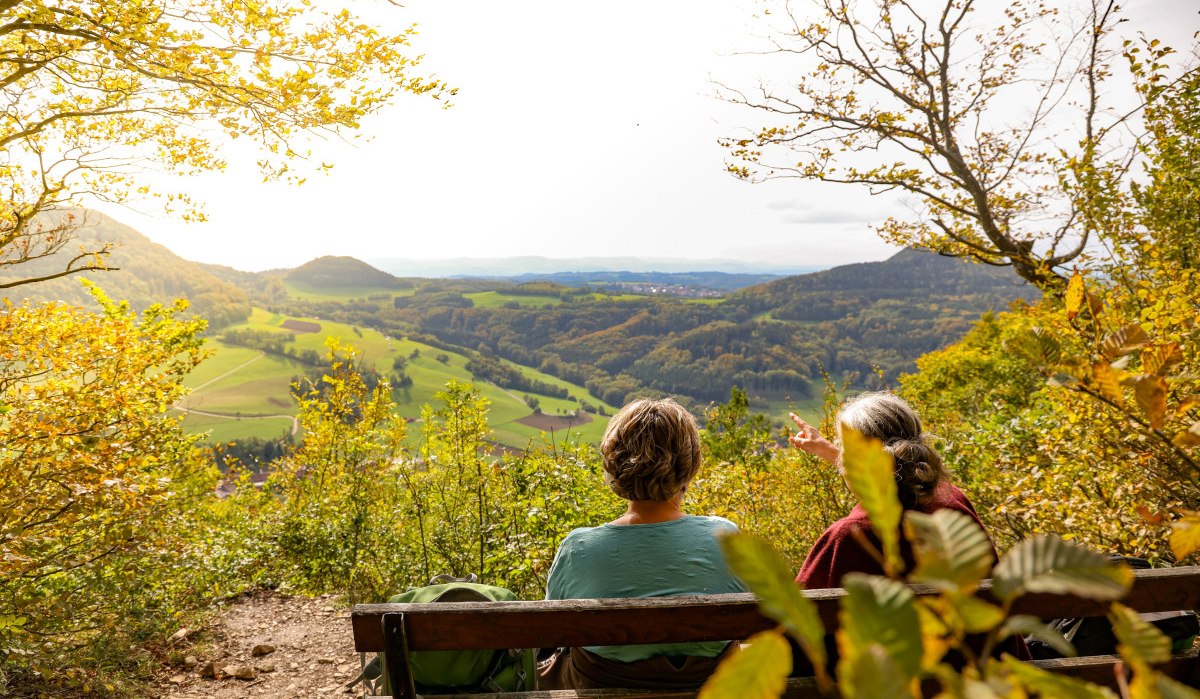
[
  {"x": 555, "y": 623},
  {"x": 1098, "y": 669}
]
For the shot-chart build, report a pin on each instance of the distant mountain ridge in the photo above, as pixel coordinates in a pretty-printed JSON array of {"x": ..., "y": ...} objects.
[
  {"x": 717, "y": 281},
  {"x": 533, "y": 265}
]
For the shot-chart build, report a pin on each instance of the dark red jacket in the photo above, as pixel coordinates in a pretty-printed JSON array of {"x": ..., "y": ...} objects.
[{"x": 838, "y": 552}]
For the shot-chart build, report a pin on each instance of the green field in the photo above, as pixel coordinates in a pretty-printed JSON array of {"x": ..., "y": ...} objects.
[
  {"x": 239, "y": 393},
  {"x": 777, "y": 409},
  {"x": 499, "y": 299},
  {"x": 325, "y": 293}
]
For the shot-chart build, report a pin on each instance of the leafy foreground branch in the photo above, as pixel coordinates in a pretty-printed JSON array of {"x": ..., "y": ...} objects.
[{"x": 891, "y": 642}]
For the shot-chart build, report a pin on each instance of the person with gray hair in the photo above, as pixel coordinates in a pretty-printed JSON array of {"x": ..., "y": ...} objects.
[
  {"x": 651, "y": 454},
  {"x": 923, "y": 484},
  {"x": 922, "y": 480}
]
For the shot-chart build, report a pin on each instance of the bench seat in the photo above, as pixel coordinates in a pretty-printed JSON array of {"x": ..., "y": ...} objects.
[{"x": 559, "y": 623}]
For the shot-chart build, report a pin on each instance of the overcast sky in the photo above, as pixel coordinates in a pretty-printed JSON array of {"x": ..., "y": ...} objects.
[{"x": 580, "y": 129}]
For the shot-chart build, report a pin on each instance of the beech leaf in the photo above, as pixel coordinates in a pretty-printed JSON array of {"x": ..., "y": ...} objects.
[
  {"x": 1123, "y": 341},
  {"x": 757, "y": 670},
  {"x": 869, "y": 471},
  {"x": 770, "y": 578},
  {"x": 951, "y": 549},
  {"x": 1151, "y": 395},
  {"x": 1049, "y": 564},
  {"x": 878, "y": 611}
]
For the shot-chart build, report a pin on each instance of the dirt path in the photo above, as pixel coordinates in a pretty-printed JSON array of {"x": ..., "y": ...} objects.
[{"x": 305, "y": 650}]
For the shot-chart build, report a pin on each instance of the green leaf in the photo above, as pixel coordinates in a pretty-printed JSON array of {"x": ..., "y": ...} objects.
[
  {"x": 977, "y": 615},
  {"x": 758, "y": 669},
  {"x": 11, "y": 621},
  {"x": 1039, "y": 346},
  {"x": 1049, "y": 564},
  {"x": 1025, "y": 625},
  {"x": 870, "y": 674},
  {"x": 1185, "y": 535},
  {"x": 880, "y": 611},
  {"x": 1123, "y": 341},
  {"x": 952, "y": 550},
  {"x": 1138, "y": 641},
  {"x": 1049, "y": 684},
  {"x": 770, "y": 577},
  {"x": 870, "y": 473}
]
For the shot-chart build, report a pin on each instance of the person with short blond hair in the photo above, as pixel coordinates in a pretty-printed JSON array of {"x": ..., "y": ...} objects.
[{"x": 651, "y": 453}]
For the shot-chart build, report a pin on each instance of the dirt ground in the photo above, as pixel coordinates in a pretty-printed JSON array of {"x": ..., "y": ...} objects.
[{"x": 267, "y": 645}]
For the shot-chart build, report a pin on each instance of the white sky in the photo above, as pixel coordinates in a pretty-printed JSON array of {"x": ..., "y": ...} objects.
[{"x": 579, "y": 130}]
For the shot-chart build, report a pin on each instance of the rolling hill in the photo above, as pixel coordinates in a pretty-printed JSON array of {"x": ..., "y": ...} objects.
[{"x": 147, "y": 273}]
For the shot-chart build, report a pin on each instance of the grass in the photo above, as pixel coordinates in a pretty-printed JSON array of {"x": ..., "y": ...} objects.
[
  {"x": 497, "y": 299},
  {"x": 777, "y": 409},
  {"x": 232, "y": 430},
  {"x": 237, "y": 382},
  {"x": 306, "y": 292}
]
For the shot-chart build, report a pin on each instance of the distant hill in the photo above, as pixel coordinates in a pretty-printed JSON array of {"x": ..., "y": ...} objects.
[
  {"x": 147, "y": 273},
  {"x": 531, "y": 264},
  {"x": 344, "y": 272},
  {"x": 912, "y": 275},
  {"x": 773, "y": 339},
  {"x": 716, "y": 281}
]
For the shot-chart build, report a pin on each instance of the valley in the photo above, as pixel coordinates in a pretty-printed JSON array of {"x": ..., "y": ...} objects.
[{"x": 554, "y": 353}]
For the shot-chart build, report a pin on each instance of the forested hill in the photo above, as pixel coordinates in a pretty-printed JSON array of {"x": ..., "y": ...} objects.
[
  {"x": 909, "y": 274},
  {"x": 344, "y": 272},
  {"x": 773, "y": 339},
  {"x": 147, "y": 273}
]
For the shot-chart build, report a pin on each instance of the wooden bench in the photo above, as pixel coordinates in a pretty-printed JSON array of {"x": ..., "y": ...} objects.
[{"x": 396, "y": 628}]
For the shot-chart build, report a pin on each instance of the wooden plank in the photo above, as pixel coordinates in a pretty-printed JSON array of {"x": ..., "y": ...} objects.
[
  {"x": 554, "y": 623},
  {"x": 797, "y": 688},
  {"x": 1097, "y": 669},
  {"x": 1101, "y": 669}
]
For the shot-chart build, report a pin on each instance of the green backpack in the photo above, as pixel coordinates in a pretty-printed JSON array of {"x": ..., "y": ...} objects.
[{"x": 459, "y": 671}]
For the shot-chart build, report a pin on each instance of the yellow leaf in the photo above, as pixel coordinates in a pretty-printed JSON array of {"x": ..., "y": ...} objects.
[
  {"x": 1157, "y": 360},
  {"x": 1123, "y": 341},
  {"x": 1151, "y": 394},
  {"x": 758, "y": 669},
  {"x": 1189, "y": 437},
  {"x": 1185, "y": 536},
  {"x": 1106, "y": 380},
  {"x": 870, "y": 473},
  {"x": 1074, "y": 297}
]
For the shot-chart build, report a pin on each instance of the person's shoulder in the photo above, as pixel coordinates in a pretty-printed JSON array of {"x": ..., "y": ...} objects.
[
  {"x": 580, "y": 534},
  {"x": 713, "y": 522}
]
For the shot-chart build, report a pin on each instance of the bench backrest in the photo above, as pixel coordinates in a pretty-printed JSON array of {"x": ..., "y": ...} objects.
[{"x": 571, "y": 623}]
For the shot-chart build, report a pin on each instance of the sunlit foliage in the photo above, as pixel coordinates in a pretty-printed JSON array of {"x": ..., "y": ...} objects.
[{"x": 96, "y": 91}]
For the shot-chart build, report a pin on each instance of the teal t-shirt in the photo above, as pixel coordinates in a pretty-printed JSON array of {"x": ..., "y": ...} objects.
[{"x": 679, "y": 557}]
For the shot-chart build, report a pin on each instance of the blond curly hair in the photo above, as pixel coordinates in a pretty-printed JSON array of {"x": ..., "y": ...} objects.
[{"x": 651, "y": 450}]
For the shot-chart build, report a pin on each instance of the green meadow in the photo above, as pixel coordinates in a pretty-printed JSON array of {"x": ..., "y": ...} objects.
[
  {"x": 240, "y": 393},
  {"x": 307, "y": 292}
]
